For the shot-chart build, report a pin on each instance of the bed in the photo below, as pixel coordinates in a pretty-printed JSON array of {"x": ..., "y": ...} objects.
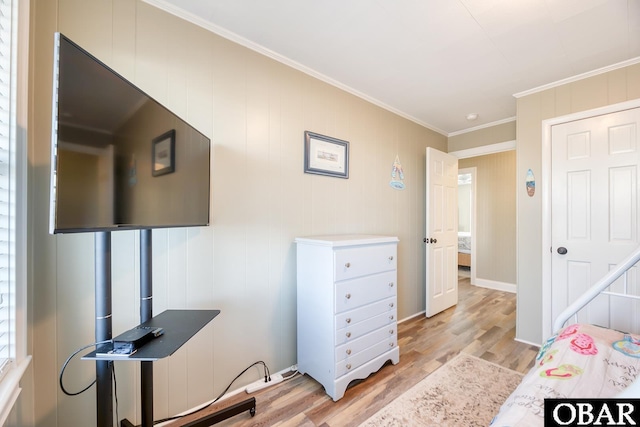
[
  {"x": 464, "y": 248},
  {"x": 578, "y": 361}
]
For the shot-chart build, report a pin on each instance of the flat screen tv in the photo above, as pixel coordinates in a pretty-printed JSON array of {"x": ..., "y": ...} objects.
[{"x": 119, "y": 159}]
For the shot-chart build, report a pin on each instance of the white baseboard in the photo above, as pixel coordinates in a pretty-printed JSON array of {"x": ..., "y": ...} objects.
[
  {"x": 420, "y": 313},
  {"x": 498, "y": 286}
]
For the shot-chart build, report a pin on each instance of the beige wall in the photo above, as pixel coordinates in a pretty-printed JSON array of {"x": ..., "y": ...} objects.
[
  {"x": 481, "y": 137},
  {"x": 495, "y": 255},
  {"x": 586, "y": 94},
  {"x": 496, "y": 216},
  {"x": 464, "y": 207},
  {"x": 255, "y": 111}
]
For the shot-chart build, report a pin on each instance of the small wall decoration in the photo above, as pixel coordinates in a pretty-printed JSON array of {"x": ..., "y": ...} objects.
[
  {"x": 397, "y": 175},
  {"x": 530, "y": 183},
  {"x": 324, "y": 155},
  {"x": 163, "y": 157}
]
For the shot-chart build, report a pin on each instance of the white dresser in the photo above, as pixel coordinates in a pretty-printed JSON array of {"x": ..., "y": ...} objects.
[{"x": 347, "y": 298}]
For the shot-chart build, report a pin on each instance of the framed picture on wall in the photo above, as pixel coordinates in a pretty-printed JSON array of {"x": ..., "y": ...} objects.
[
  {"x": 324, "y": 155},
  {"x": 163, "y": 156}
]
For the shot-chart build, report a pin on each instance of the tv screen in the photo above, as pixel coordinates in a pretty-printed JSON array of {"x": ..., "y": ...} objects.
[{"x": 119, "y": 159}]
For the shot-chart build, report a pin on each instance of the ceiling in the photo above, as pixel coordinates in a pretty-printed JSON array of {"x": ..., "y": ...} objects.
[{"x": 432, "y": 61}]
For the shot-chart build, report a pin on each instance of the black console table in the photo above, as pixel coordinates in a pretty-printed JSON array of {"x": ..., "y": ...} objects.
[{"x": 179, "y": 326}]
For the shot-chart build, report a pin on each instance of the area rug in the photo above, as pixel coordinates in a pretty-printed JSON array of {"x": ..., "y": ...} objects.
[{"x": 466, "y": 391}]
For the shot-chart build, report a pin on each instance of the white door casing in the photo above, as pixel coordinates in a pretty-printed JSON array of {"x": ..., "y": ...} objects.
[
  {"x": 442, "y": 231},
  {"x": 593, "y": 211}
]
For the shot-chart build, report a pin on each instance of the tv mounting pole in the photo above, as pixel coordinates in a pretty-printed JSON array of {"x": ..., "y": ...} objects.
[
  {"x": 103, "y": 327},
  {"x": 146, "y": 313}
]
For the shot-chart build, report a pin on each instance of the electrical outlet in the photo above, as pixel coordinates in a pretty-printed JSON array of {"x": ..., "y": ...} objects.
[{"x": 260, "y": 384}]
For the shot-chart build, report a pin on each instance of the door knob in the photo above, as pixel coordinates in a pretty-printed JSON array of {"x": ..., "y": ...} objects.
[
  {"x": 562, "y": 250},
  {"x": 434, "y": 240}
]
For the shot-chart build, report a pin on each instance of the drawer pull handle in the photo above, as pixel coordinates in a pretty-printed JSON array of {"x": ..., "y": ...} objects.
[
  {"x": 348, "y": 265},
  {"x": 348, "y": 334},
  {"x": 391, "y": 284},
  {"x": 391, "y": 258},
  {"x": 348, "y": 365},
  {"x": 348, "y": 296},
  {"x": 391, "y": 304},
  {"x": 391, "y": 344},
  {"x": 391, "y": 317},
  {"x": 391, "y": 331},
  {"x": 348, "y": 351},
  {"x": 348, "y": 320}
]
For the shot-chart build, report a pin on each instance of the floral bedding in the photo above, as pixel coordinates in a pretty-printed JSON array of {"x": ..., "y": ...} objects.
[{"x": 580, "y": 361}]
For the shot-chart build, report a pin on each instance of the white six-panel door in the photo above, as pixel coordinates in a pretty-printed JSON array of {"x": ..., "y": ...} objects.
[
  {"x": 595, "y": 210},
  {"x": 442, "y": 232}
]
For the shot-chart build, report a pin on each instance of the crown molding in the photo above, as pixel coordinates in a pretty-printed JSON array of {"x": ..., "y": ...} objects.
[{"x": 578, "y": 77}]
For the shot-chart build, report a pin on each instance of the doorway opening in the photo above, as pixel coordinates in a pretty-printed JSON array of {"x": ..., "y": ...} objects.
[{"x": 467, "y": 223}]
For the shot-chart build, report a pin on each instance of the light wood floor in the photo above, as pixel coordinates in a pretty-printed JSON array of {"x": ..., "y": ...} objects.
[{"x": 482, "y": 324}]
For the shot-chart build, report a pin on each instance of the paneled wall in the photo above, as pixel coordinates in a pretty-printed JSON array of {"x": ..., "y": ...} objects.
[
  {"x": 496, "y": 217},
  {"x": 255, "y": 110},
  {"x": 608, "y": 88}
]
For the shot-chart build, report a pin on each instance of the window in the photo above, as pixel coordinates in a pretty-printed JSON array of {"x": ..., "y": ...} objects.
[
  {"x": 7, "y": 189},
  {"x": 13, "y": 360}
]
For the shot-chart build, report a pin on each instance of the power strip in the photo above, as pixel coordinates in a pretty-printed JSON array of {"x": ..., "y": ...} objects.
[{"x": 260, "y": 384}]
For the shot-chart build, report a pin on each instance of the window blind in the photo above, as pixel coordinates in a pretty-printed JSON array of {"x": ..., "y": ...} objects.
[{"x": 7, "y": 185}]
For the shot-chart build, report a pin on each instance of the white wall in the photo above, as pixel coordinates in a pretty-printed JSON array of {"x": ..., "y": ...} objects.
[{"x": 255, "y": 111}]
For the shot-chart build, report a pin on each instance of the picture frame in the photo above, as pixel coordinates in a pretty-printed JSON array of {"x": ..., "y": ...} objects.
[
  {"x": 163, "y": 154},
  {"x": 324, "y": 155}
]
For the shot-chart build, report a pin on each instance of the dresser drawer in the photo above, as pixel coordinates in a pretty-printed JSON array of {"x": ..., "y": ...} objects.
[
  {"x": 350, "y": 318},
  {"x": 356, "y": 330},
  {"x": 344, "y": 366},
  {"x": 354, "y": 293},
  {"x": 365, "y": 260},
  {"x": 351, "y": 348}
]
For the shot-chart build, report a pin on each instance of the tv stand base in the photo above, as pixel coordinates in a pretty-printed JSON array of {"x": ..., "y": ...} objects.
[{"x": 215, "y": 417}]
